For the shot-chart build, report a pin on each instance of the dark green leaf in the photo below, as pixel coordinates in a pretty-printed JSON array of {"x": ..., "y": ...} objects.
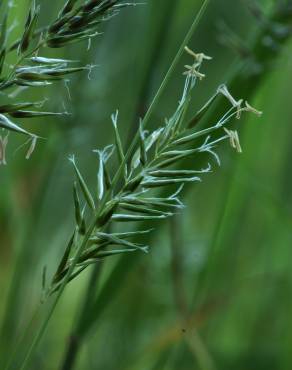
[
  {"x": 32, "y": 114},
  {"x": 78, "y": 213},
  {"x": 64, "y": 260}
]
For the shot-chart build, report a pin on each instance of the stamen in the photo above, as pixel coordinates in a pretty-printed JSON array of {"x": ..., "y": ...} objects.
[
  {"x": 234, "y": 139},
  {"x": 199, "y": 57},
  {"x": 191, "y": 71},
  {"x": 236, "y": 104},
  {"x": 251, "y": 109}
]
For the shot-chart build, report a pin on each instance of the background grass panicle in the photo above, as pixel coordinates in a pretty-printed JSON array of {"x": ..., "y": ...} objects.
[{"x": 76, "y": 22}]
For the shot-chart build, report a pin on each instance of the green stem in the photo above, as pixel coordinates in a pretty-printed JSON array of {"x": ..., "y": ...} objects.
[
  {"x": 75, "y": 339},
  {"x": 162, "y": 88},
  {"x": 51, "y": 310}
]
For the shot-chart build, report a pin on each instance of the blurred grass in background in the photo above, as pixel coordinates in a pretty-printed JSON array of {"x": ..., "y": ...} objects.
[{"x": 226, "y": 260}]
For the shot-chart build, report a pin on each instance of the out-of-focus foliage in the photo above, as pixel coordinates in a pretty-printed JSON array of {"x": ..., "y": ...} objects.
[{"x": 214, "y": 293}]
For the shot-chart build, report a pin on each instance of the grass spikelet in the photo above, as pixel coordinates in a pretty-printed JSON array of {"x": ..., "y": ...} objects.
[
  {"x": 86, "y": 193},
  {"x": 119, "y": 145},
  {"x": 7, "y": 124}
]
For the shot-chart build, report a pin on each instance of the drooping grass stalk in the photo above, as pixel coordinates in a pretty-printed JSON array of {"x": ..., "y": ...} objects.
[
  {"x": 32, "y": 70},
  {"x": 75, "y": 23},
  {"x": 42, "y": 71}
]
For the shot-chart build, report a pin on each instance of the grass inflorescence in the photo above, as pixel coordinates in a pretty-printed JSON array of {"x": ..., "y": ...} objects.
[
  {"x": 77, "y": 21},
  {"x": 152, "y": 166}
]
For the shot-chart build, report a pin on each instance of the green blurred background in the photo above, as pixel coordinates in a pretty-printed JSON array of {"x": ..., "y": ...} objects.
[{"x": 216, "y": 290}]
